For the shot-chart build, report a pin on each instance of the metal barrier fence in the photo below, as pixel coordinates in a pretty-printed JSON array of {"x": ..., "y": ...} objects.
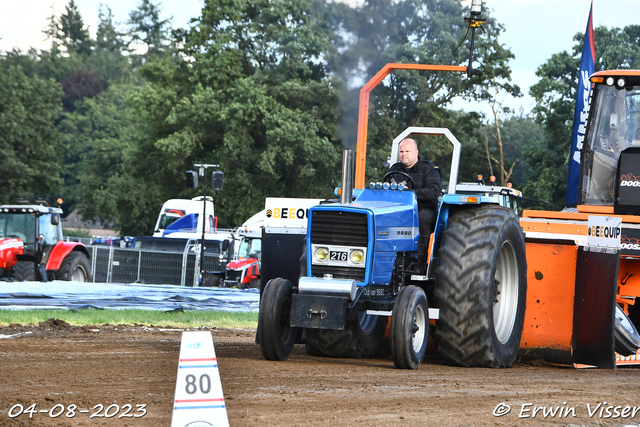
[{"x": 110, "y": 264}]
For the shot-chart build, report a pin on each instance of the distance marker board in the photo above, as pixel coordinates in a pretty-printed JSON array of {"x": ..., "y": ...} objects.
[{"x": 199, "y": 401}]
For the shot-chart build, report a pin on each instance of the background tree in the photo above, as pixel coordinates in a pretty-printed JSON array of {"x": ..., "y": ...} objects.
[
  {"x": 416, "y": 31},
  {"x": 72, "y": 31},
  {"x": 29, "y": 140},
  {"x": 253, "y": 98},
  {"x": 148, "y": 31}
]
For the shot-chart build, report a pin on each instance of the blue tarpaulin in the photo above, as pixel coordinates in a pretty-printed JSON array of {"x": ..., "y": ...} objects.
[{"x": 74, "y": 295}]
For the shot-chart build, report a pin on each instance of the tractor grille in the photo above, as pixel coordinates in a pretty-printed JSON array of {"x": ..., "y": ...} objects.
[
  {"x": 356, "y": 274},
  {"x": 343, "y": 229},
  {"x": 233, "y": 275},
  {"x": 339, "y": 228}
]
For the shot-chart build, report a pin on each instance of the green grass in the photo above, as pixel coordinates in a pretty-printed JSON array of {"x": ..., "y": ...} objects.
[{"x": 186, "y": 319}]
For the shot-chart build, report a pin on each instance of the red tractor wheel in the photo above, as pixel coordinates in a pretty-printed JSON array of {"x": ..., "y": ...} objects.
[{"x": 75, "y": 268}]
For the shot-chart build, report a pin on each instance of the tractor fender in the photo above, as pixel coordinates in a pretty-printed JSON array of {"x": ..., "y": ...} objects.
[{"x": 60, "y": 252}]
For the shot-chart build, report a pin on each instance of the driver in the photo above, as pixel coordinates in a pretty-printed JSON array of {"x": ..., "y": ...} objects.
[{"x": 427, "y": 185}]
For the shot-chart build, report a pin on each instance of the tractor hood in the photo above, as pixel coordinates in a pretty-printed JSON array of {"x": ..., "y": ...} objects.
[
  {"x": 392, "y": 217},
  {"x": 241, "y": 263}
]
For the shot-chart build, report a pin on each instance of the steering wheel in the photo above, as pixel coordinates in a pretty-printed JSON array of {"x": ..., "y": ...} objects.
[{"x": 406, "y": 175}]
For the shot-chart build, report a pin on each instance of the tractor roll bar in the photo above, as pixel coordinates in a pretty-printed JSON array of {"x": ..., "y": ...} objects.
[{"x": 455, "y": 157}]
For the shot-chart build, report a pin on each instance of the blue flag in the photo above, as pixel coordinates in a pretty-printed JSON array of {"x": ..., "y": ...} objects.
[{"x": 587, "y": 67}]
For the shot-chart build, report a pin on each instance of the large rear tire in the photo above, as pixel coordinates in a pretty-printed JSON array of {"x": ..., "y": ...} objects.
[
  {"x": 361, "y": 338},
  {"x": 75, "y": 268},
  {"x": 626, "y": 335},
  {"x": 275, "y": 334},
  {"x": 24, "y": 271},
  {"x": 481, "y": 287},
  {"x": 409, "y": 332}
]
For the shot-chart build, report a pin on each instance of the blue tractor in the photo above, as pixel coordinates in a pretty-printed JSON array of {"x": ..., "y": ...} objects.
[{"x": 356, "y": 276}]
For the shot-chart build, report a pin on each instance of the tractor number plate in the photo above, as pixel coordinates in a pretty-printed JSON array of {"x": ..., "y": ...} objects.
[{"x": 337, "y": 256}]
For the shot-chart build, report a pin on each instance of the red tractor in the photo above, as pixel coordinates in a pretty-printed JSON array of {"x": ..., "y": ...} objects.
[{"x": 31, "y": 246}]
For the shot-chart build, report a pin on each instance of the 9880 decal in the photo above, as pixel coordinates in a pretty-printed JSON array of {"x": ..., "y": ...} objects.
[{"x": 70, "y": 411}]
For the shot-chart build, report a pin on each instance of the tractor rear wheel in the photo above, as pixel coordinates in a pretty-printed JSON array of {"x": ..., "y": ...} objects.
[
  {"x": 24, "y": 271},
  {"x": 409, "y": 332},
  {"x": 626, "y": 335},
  {"x": 275, "y": 334},
  {"x": 75, "y": 268},
  {"x": 361, "y": 338},
  {"x": 481, "y": 287}
]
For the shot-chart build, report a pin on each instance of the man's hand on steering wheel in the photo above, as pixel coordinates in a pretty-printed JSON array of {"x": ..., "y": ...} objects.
[{"x": 389, "y": 176}]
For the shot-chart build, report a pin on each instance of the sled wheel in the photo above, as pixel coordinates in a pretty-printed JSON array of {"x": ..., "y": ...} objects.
[{"x": 626, "y": 335}]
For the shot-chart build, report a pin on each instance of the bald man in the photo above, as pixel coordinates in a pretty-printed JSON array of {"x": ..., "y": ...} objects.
[{"x": 427, "y": 185}]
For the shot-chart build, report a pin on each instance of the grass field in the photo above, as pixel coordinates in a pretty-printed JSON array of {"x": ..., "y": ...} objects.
[{"x": 182, "y": 319}]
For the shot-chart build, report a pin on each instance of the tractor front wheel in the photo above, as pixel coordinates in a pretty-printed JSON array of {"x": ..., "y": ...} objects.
[
  {"x": 275, "y": 334},
  {"x": 481, "y": 287},
  {"x": 75, "y": 268},
  {"x": 409, "y": 332}
]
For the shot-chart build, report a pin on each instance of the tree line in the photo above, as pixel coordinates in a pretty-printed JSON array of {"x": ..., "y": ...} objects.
[{"x": 268, "y": 89}]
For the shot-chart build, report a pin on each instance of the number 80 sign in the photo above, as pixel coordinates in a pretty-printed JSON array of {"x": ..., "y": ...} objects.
[{"x": 198, "y": 394}]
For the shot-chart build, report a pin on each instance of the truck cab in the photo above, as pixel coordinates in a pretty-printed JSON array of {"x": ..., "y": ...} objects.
[{"x": 174, "y": 209}]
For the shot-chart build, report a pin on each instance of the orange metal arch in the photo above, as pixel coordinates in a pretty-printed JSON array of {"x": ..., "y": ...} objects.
[{"x": 363, "y": 117}]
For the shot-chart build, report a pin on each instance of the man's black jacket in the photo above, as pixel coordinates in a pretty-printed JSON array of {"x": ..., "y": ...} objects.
[{"x": 427, "y": 183}]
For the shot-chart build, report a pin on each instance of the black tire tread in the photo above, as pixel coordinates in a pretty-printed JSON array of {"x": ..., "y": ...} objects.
[
  {"x": 401, "y": 324},
  {"x": 24, "y": 271},
  {"x": 464, "y": 287},
  {"x": 276, "y": 343},
  {"x": 69, "y": 264}
]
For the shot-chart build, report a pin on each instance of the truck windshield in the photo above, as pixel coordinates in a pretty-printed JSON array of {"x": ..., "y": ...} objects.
[
  {"x": 167, "y": 219},
  {"x": 250, "y": 248},
  {"x": 615, "y": 126},
  {"x": 21, "y": 226}
]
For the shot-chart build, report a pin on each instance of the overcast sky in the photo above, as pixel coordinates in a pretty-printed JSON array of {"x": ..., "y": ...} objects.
[{"x": 534, "y": 29}]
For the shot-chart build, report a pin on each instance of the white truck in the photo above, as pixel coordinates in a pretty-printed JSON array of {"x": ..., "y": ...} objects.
[{"x": 175, "y": 209}]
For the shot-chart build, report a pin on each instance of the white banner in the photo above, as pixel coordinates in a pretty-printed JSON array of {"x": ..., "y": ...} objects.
[
  {"x": 604, "y": 231},
  {"x": 287, "y": 213}
]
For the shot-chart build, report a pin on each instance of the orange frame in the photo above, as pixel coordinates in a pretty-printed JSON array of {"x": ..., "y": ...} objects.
[{"x": 363, "y": 115}]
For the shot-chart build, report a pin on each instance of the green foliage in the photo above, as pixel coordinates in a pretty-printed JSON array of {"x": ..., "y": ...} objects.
[
  {"x": 414, "y": 31},
  {"x": 29, "y": 141},
  {"x": 252, "y": 98},
  {"x": 71, "y": 32},
  {"x": 268, "y": 89},
  {"x": 146, "y": 28},
  {"x": 96, "y": 138}
]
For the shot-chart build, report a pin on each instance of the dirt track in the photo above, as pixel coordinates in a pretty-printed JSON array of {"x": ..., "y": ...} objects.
[{"x": 86, "y": 366}]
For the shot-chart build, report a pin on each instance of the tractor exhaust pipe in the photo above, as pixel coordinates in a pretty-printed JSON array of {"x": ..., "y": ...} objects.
[{"x": 348, "y": 175}]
